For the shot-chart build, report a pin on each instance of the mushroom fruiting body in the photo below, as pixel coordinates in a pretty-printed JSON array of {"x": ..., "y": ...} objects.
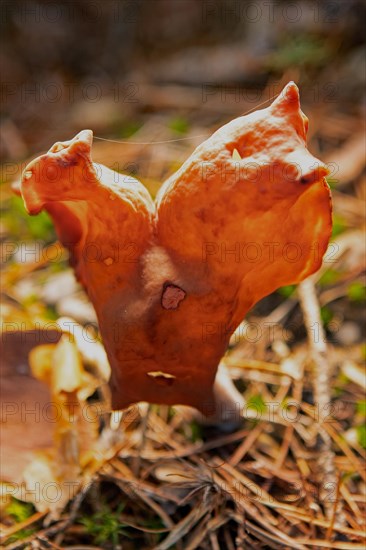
[{"x": 248, "y": 212}]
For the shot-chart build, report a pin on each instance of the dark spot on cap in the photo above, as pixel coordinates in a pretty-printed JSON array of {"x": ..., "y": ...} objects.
[
  {"x": 65, "y": 163},
  {"x": 172, "y": 296}
]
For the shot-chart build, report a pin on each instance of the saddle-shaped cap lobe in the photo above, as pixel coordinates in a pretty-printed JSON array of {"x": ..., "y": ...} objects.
[{"x": 248, "y": 212}]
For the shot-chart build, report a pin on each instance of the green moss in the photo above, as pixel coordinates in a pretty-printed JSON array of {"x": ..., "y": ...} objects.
[
  {"x": 329, "y": 277},
  {"x": 361, "y": 434},
  {"x": 326, "y": 315},
  {"x": 339, "y": 226},
  {"x": 286, "y": 291},
  {"x": 300, "y": 50},
  {"x": 361, "y": 407},
  {"x": 105, "y": 526},
  {"x": 332, "y": 182},
  {"x": 356, "y": 292},
  {"x": 257, "y": 403},
  {"x": 196, "y": 432},
  {"x": 179, "y": 125},
  {"x": 18, "y": 222},
  {"x": 51, "y": 313},
  {"x": 20, "y": 511},
  {"x": 128, "y": 129}
]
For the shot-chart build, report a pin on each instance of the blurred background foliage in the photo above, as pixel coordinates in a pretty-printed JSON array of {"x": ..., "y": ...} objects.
[{"x": 69, "y": 61}]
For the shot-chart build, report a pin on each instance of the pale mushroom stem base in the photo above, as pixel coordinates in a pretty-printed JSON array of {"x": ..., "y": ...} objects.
[{"x": 228, "y": 407}]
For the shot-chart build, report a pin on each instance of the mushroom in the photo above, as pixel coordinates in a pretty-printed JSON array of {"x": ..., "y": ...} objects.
[{"x": 248, "y": 212}]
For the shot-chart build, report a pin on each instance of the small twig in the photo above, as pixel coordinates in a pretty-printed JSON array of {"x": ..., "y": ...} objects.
[
  {"x": 335, "y": 508},
  {"x": 246, "y": 445},
  {"x": 21, "y": 525},
  {"x": 136, "y": 465},
  {"x": 47, "y": 543},
  {"x": 322, "y": 396}
]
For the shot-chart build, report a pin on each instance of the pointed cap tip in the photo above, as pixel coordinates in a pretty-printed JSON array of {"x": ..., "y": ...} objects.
[
  {"x": 289, "y": 97},
  {"x": 84, "y": 135},
  {"x": 291, "y": 91}
]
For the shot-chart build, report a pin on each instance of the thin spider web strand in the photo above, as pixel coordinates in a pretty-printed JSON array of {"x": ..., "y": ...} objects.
[{"x": 178, "y": 139}]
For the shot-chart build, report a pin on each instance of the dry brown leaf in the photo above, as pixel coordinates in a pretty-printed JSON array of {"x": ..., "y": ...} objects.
[
  {"x": 51, "y": 477},
  {"x": 26, "y": 411}
]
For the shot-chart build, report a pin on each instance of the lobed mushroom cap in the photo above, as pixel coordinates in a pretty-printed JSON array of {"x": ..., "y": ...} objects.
[{"x": 248, "y": 212}]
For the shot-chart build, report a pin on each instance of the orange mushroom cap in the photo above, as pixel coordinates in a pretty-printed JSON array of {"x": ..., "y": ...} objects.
[{"x": 248, "y": 212}]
